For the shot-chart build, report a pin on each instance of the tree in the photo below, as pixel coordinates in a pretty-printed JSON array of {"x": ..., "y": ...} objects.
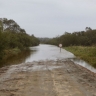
[
  {"x": 88, "y": 29},
  {"x": 16, "y": 37}
]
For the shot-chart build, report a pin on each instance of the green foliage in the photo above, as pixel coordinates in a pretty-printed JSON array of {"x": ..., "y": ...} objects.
[
  {"x": 54, "y": 41},
  {"x": 14, "y": 37},
  {"x": 11, "y": 52},
  {"x": 44, "y": 40},
  {"x": 1, "y": 45},
  {"x": 86, "y": 53},
  {"x": 84, "y": 38},
  {"x": 35, "y": 41}
]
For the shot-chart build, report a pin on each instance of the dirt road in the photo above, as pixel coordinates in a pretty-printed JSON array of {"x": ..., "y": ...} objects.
[{"x": 47, "y": 78}]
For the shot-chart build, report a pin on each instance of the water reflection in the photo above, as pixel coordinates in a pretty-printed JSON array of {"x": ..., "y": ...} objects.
[
  {"x": 20, "y": 58},
  {"x": 45, "y": 52},
  {"x": 83, "y": 63},
  {"x": 48, "y": 52}
]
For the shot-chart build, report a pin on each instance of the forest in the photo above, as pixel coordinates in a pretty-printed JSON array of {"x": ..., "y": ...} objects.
[
  {"x": 82, "y": 38},
  {"x": 13, "y": 37}
]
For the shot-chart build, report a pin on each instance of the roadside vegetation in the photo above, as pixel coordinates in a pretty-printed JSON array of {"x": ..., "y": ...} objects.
[
  {"x": 86, "y": 53},
  {"x": 82, "y": 44},
  {"x": 14, "y": 39}
]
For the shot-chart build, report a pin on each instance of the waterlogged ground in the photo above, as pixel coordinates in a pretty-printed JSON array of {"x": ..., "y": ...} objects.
[
  {"x": 58, "y": 75},
  {"x": 47, "y": 78}
]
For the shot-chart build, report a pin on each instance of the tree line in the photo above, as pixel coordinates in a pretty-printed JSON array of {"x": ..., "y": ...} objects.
[
  {"x": 13, "y": 36},
  {"x": 82, "y": 38}
]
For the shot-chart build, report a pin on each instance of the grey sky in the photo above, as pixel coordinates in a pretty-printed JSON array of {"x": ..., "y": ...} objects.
[{"x": 49, "y": 18}]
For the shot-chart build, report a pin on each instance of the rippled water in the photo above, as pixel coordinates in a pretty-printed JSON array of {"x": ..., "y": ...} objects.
[{"x": 46, "y": 52}]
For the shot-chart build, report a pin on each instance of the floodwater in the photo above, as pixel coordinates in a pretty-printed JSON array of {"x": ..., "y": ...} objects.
[{"x": 46, "y": 52}]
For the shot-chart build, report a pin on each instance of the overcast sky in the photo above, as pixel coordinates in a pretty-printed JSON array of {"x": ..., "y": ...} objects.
[{"x": 49, "y": 18}]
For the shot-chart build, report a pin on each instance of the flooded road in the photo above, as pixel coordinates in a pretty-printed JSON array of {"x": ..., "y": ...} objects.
[
  {"x": 51, "y": 52},
  {"x": 48, "y": 52},
  {"x": 45, "y": 52},
  {"x": 48, "y": 72},
  {"x": 41, "y": 52}
]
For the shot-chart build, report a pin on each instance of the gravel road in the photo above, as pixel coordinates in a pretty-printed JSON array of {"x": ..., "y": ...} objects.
[{"x": 47, "y": 78}]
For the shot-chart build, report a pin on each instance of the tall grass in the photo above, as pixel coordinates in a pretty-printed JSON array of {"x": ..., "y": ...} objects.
[{"x": 86, "y": 53}]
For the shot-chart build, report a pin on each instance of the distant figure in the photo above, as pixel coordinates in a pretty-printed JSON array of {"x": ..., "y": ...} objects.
[{"x": 60, "y": 45}]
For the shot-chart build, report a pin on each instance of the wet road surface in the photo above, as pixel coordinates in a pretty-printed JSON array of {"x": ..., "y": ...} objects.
[{"x": 54, "y": 76}]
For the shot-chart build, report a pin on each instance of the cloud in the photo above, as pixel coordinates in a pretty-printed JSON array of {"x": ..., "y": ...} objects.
[{"x": 50, "y": 17}]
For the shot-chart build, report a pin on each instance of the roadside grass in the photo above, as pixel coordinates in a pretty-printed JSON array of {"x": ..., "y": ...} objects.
[{"x": 86, "y": 53}]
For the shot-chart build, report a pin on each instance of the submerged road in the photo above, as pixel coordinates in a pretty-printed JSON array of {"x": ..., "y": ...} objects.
[{"x": 49, "y": 73}]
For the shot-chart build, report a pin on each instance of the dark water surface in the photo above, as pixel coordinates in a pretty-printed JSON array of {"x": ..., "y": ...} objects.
[
  {"x": 45, "y": 52},
  {"x": 20, "y": 58}
]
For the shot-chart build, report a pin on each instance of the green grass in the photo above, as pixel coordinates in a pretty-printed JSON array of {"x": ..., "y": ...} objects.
[{"x": 86, "y": 53}]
